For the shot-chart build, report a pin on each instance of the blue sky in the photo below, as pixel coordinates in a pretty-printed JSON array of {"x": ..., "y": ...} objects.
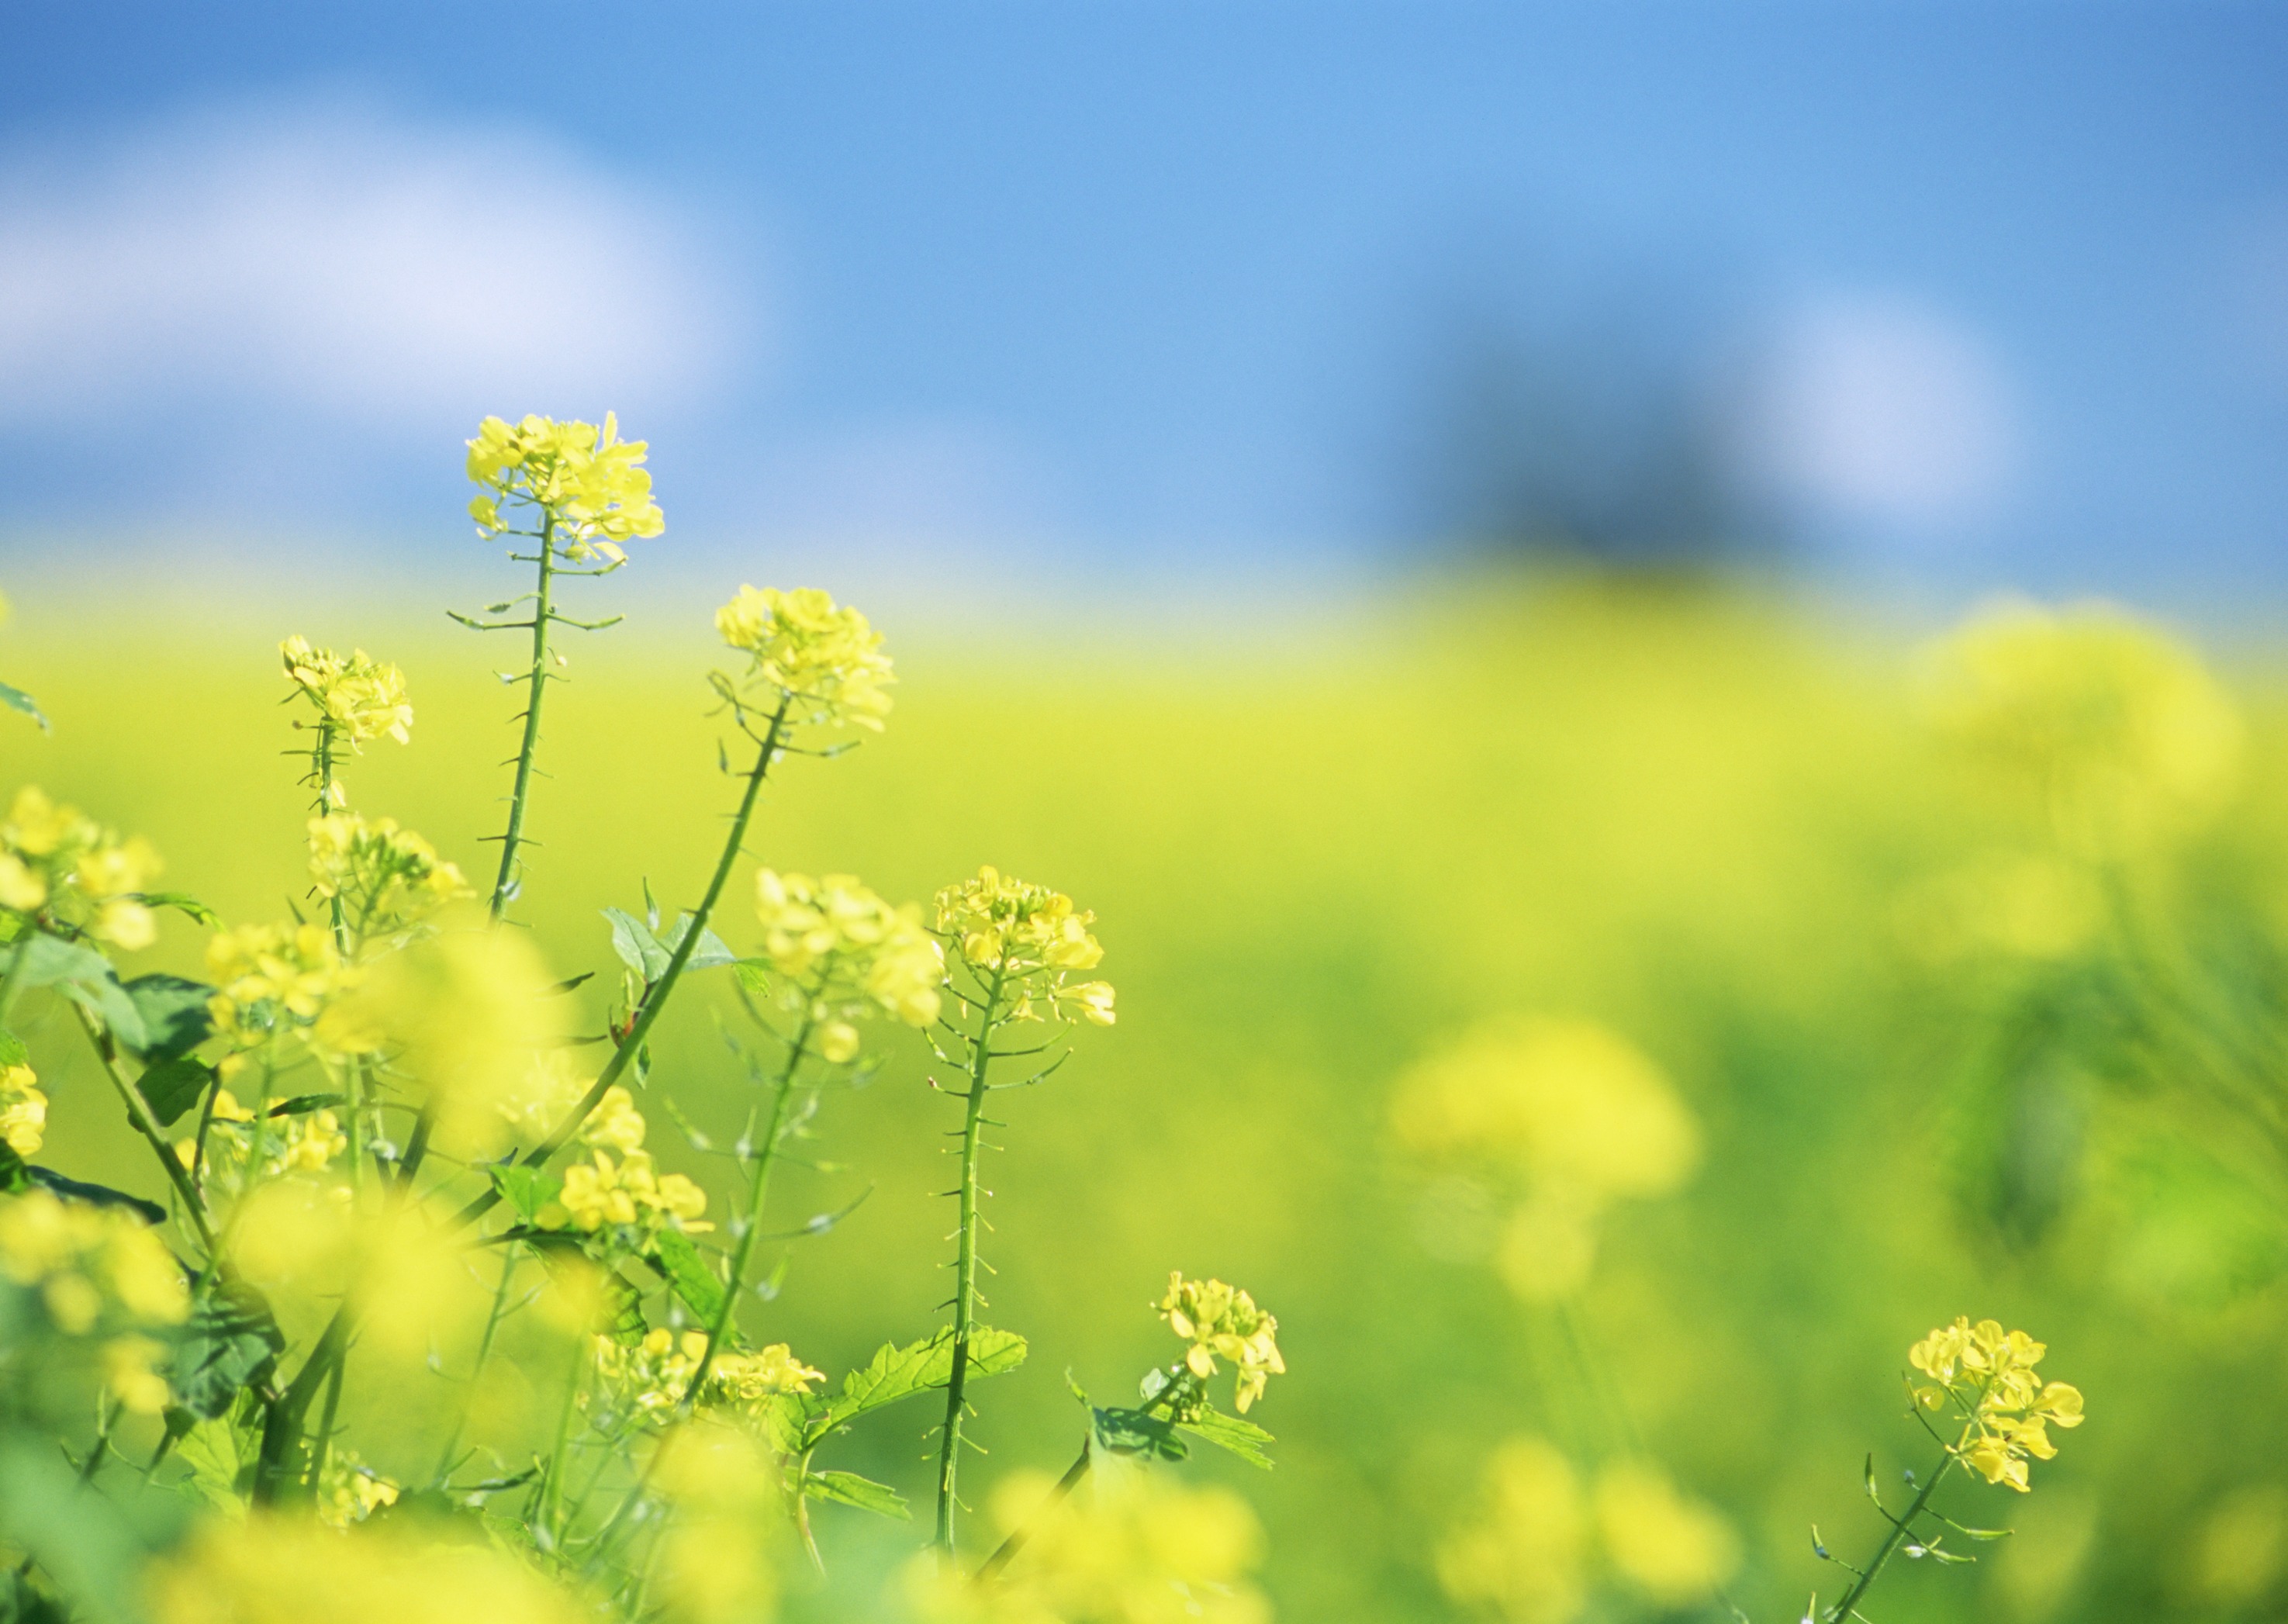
[{"x": 2001, "y": 292}]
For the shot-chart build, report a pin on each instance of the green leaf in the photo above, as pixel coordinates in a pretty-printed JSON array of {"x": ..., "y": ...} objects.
[
  {"x": 50, "y": 959},
  {"x": 303, "y": 1105},
  {"x": 97, "y": 1195},
  {"x": 109, "y": 1001},
  {"x": 173, "y": 1087},
  {"x": 182, "y": 901},
  {"x": 680, "y": 1265},
  {"x": 708, "y": 954},
  {"x": 13, "y": 1052},
  {"x": 231, "y": 1341},
  {"x": 1124, "y": 1431},
  {"x": 527, "y": 1189},
  {"x": 850, "y": 1489},
  {"x": 15, "y": 1177},
  {"x": 785, "y": 1420},
  {"x": 897, "y": 1372},
  {"x": 176, "y": 1016},
  {"x": 638, "y": 949},
  {"x": 754, "y": 975},
  {"x": 221, "y": 1459},
  {"x": 16, "y": 699},
  {"x": 1244, "y": 1438}
]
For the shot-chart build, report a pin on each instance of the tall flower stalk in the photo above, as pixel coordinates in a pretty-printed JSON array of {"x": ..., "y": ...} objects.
[
  {"x": 576, "y": 492},
  {"x": 1012, "y": 949}
]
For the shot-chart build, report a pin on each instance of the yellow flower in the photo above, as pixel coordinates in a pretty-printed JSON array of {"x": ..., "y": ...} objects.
[
  {"x": 22, "y": 886},
  {"x": 130, "y": 1370},
  {"x": 2007, "y": 1410},
  {"x": 591, "y": 486},
  {"x": 37, "y": 827},
  {"x": 90, "y": 1265},
  {"x": 54, "y": 857},
  {"x": 1223, "y": 1321},
  {"x": 616, "y": 1123},
  {"x": 627, "y": 1194},
  {"x": 385, "y": 877},
  {"x": 1670, "y": 1545},
  {"x": 357, "y": 698},
  {"x": 1029, "y": 940},
  {"x": 1525, "y": 1558},
  {"x": 2107, "y": 733},
  {"x": 844, "y": 951},
  {"x": 266, "y": 1570},
  {"x": 824, "y": 662},
  {"x": 652, "y": 1374},
  {"x": 275, "y": 979},
  {"x": 23, "y": 1109}
]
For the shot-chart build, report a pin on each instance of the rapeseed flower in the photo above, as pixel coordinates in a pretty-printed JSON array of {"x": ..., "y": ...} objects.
[
  {"x": 1028, "y": 941},
  {"x": 843, "y": 951},
  {"x": 1987, "y": 1375},
  {"x": 357, "y": 698},
  {"x": 591, "y": 485},
  {"x": 1525, "y": 1558},
  {"x": 23, "y": 1109},
  {"x": 61, "y": 867},
  {"x": 624, "y": 1194},
  {"x": 651, "y": 1376},
  {"x": 823, "y": 661},
  {"x": 1664, "y": 1543},
  {"x": 385, "y": 878},
  {"x": 277, "y": 1570},
  {"x": 1221, "y": 1321},
  {"x": 98, "y": 1274}
]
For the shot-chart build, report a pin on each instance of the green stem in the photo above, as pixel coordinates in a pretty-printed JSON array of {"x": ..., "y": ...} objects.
[
  {"x": 11, "y": 983},
  {"x": 504, "y": 884},
  {"x": 283, "y": 1430},
  {"x": 138, "y": 1112},
  {"x": 1015, "y": 1543},
  {"x": 742, "y": 1254},
  {"x": 964, "y": 1290},
  {"x": 484, "y": 1354},
  {"x": 552, "y": 1489},
  {"x": 1891, "y": 1542}
]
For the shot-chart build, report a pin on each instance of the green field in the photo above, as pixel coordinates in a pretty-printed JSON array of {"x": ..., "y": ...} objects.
[{"x": 1701, "y": 820}]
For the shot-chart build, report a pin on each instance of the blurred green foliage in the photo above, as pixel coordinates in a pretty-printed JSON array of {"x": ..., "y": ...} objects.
[{"x": 1710, "y": 822}]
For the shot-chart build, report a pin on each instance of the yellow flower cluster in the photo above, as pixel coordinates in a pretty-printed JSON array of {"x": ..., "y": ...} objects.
[
  {"x": 2102, "y": 729},
  {"x": 57, "y": 862},
  {"x": 349, "y": 1491},
  {"x": 1532, "y": 1553},
  {"x": 593, "y": 484},
  {"x": 1222, "y": 1321},
  {"x": 23, "y": 1109},
  {"x": 357, "y": 698},
  {"x": 1028, "y": 941},
  {"x": 1145, "y": 1550},
  {"x": 385, "y": 877},
  {"x": 2007, "y": 1410},
  {"x": 310, "y": 1142},
  {"x": 825, "y": 661},
  {"x": 652, "y": 1376},
  {"x": 1563, "y": 1112},
  {"x": 627, "y": 1194},
  {"x": 273, "y": 979},
  {"x": 97, "y": 1271},
  {"x": 266, "y": 1570},
  {"x": 844, "y": 949}
]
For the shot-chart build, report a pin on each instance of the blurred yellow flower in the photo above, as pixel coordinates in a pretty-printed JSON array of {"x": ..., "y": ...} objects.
[
  {"x": 385, "y": 878},
  {"x": 628, "y": 1193},
  {"x": 23, "y": 1109},
  {"x": 55, "y": 857},
  {"x": 94, "y": 1271},
  {"x": 824, "y": 661},
  {"x": 1525, "y": 1558},
  {"x": 842, "y": 945},
  {"x": 275, "y": 980},
  {"x": 651, "y": 1376},
  {"x": 1142, "y": 1549},
  {"x": 266, "y": 1570},
  {"x": 1671, "y": 1547},
  {"x": 2109, "y": 735}
]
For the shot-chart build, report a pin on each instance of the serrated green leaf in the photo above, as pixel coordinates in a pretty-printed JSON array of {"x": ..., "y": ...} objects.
[
  {"x": 222, "y": 1468},
  {"x": 680, "y": 1265},
  {"x": 850, "y": 1489},
  {"x": 785, "y": 1421},
  {"x": 174, "y": 1086},
  {"x": 16, "y": 699},
  {"x": 176, "y": 1015},
  {"x": 897, "y": 1372},
  {"x": 1243, "y": 1438},
  {"x": 638, "y": 949},
  {"x": 525, "y": 1189},
  {"x": 708, "y": 955},
  {"x": 231, "y": 1341}
]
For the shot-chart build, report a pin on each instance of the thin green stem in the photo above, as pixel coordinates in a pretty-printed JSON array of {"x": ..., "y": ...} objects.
[
  {"x": 536, "y": 688},
  {"x": 551, "y": 1488},
  {"x": 484, "y": 1354},
  {"x": 743, "y": 1253},
  {"x": 12, "y": 982},
  {"x": 965, "y": 1291},
  {"x": 138, "y": 1112},
  {"x": 1009, "y": 1548},
  {"x": 1891, "y": 1542}
]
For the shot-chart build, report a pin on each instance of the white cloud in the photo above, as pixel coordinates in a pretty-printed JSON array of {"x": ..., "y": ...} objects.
[
  {"x": 339, "y": 259},
  {"x": 1883, "y": 409}
]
